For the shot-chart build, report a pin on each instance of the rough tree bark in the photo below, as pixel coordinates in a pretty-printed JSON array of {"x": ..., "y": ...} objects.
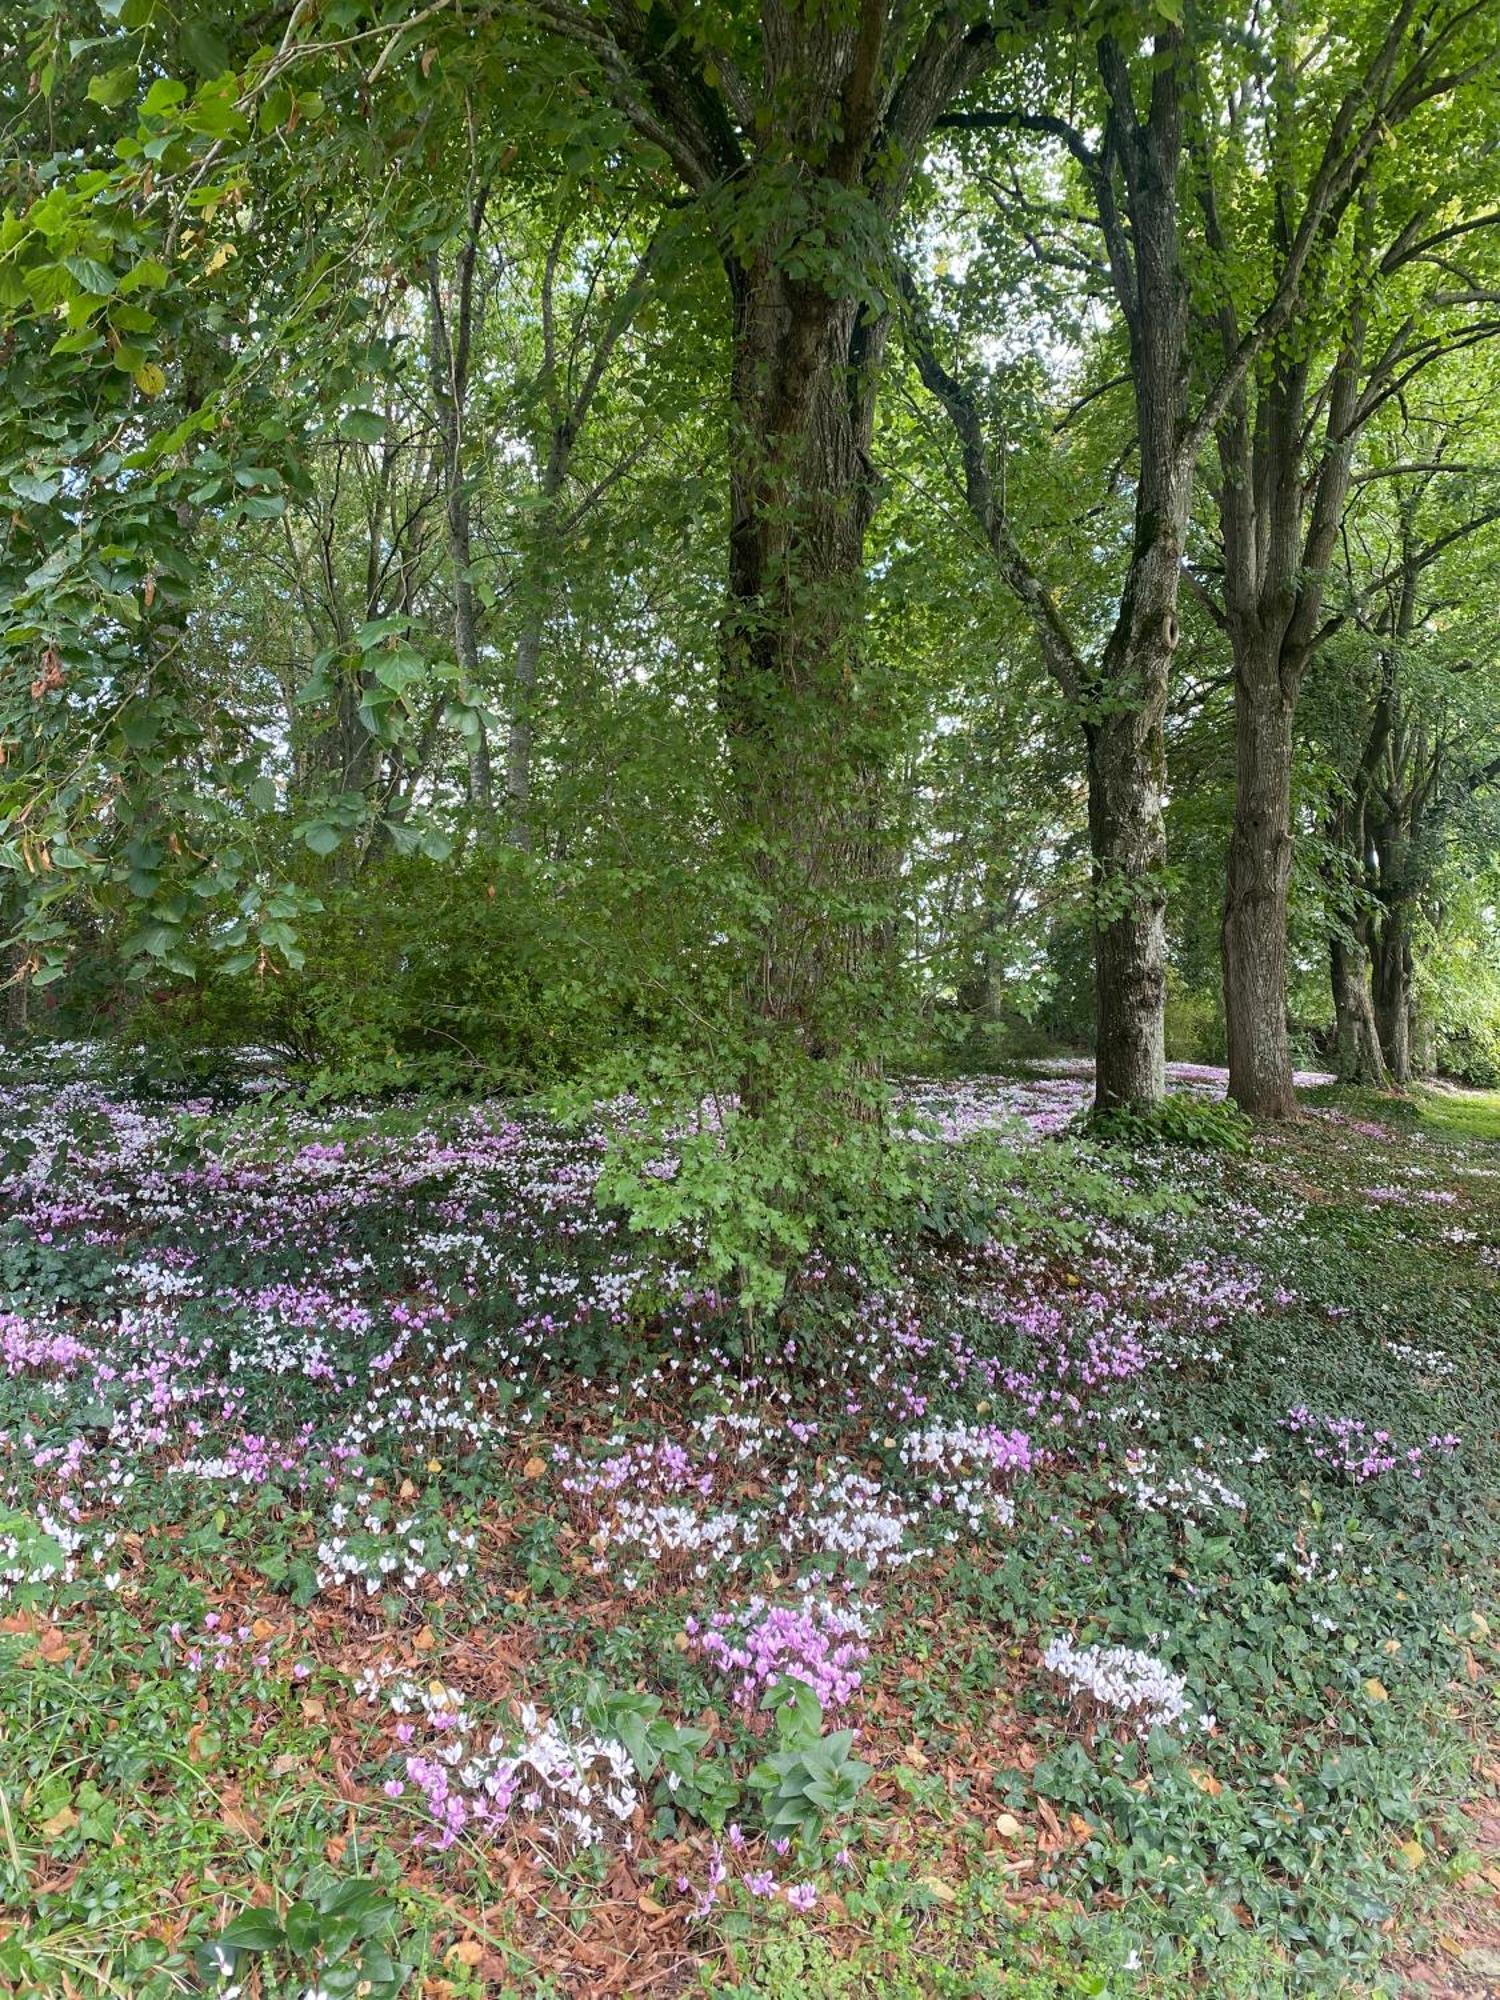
[
  {"x": 1392, "y": 980},
  {"x": 1257, "y": 883},
  {"x": 1358, "y": 1057}
]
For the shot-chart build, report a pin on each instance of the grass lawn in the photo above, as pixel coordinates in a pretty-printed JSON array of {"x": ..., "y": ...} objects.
[{"x": 411, "y": 1584}]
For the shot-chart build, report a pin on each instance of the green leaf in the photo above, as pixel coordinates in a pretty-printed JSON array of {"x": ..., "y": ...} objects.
[
  {"x": 164, "y": 95},
  {"x": 95, "y": 278},
  {"x": 364, "y": 426},
  {"x": 113, "y": 86},
  {"x": 36, "y": 486},
  {"x": 302, "y": 1926},
  {"x": 205, "y": 49},
  {"x": 255, "y": 1930}
]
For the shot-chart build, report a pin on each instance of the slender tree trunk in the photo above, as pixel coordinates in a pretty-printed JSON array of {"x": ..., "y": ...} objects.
[
  {"x": 1127, "y": 838},
  {"x": 1357, "y": 1052},
  {"x": 519, "y": 739},
  {"x": 448, "y": 347},
  {"x": 536, "y": 604},
  {"x": 1256, "y": 896}
]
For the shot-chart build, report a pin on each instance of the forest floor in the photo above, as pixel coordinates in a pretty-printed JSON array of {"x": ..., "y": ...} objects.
[{"x": 411, "y": 1585}]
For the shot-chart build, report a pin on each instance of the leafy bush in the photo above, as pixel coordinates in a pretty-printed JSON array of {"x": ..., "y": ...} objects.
[
  {"x": 1179, "y": 1120},
  {"x": 420, "y": 975},
  {"x": 1194, "y": 1024},
  {"x": 808, "y": 1778},
  {"x": 746, "y": 1199}
]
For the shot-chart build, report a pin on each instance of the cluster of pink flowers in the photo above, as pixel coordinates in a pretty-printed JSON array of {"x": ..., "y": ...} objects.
[
  {"x": 1396, "y": 1197},
  {"x": 24, "y": 1346},
  {"x": 1349, "y": 1445},
  {"x": 816, "y": 1642}
]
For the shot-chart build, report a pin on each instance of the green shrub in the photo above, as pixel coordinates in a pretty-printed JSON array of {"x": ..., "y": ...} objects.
[
  {"x": 1179, "y": 1120},
  {"x": 1194, "y": 1024},
  {"x": 420, "y": 974}
]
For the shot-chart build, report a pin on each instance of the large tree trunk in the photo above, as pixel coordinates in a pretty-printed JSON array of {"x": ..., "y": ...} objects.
[
  {"x": 1357, "y": 1052},
  {"x": 1259, "y": 878},
  {"x": 801, "y": 705},
  {"x": 1392, "y": 961},
  {"x": 1127, "y": 839}
]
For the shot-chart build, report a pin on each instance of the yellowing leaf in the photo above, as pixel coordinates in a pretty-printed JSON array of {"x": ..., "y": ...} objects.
[
  {"x": 150, "y": 378},
  {"x": 533, "y": 1468},
  {"x": 1412, "y": 1853},
  {"x": 220, "y": 258},
  {"x": 63, "y": 1821},
  {"x": 943, "y": 1891},
  {"x": 1376, "y": 1690}
]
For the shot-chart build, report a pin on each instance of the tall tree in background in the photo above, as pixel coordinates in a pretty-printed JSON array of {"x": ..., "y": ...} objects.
[
  {"x": 1131, "y": 166},
  {"x": 1322, "y": 167},
  {"x": 1412, "y": 718}
]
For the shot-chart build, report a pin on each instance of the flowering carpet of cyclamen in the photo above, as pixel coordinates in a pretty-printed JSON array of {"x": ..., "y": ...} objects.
[{"x": 355, "y": 1322}]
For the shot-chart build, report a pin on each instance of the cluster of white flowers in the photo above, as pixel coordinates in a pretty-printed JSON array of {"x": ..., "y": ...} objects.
[
  {"x": 1426, "y": 1360},
  {"x": 850, "y": 1516},
  {"x": 35, "y": 1549},
  {"x": 374, "y": 1551},
  {"x": 1134, "y": 1685},
  {"x": 1192, "y": 1491},
  {"x": 960, "y": 1463},
  {"x": 153, "y": 1281},
  {"x": 655, "y": 1532},
  {"x": 951, "y": 1449},
  {"x": 576, "y": 1776}
]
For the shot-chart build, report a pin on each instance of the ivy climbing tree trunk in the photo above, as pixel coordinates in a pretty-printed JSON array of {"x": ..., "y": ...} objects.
[
  {"x": 802, "y": 705},
  {"x": 800, "y": 148}
]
